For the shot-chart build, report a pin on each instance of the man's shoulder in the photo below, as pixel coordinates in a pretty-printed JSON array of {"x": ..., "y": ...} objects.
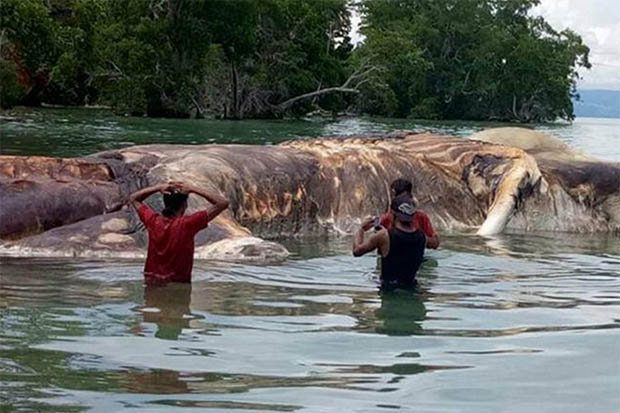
[
  {"x": 196, "y": 221},
  {"x": 382, "y": 234},
  {"x": 385, "y": 219},
  {"x": 146, "y": 213},
  {"x": 423, "y": 222}
]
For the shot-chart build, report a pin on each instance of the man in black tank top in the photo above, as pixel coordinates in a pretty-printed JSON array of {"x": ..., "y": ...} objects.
[{"x": 401, "y": 248}]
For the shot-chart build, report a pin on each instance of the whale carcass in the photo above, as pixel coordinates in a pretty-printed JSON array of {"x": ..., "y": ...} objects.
[{"x": 75, "y": 207}]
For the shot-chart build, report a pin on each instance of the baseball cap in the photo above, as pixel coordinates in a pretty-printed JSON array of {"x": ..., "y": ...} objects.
[{"x": 403, "y": 207}]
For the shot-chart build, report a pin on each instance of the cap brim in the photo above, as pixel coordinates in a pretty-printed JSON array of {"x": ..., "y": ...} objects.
[{"x": 403, "y": 217}]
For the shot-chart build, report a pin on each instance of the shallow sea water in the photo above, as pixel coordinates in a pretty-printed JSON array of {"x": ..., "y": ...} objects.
[{"x": 514, "y": 323}]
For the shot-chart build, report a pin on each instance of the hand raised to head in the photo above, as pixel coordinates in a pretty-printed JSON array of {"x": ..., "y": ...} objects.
[{"x": 176, "y": 186}]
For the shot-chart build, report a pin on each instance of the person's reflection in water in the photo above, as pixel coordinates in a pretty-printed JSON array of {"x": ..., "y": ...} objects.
[
  {"x": 401, "y": 313},
  {"x": 166, "y": 306},
  {"x": 172, "y": 301}
]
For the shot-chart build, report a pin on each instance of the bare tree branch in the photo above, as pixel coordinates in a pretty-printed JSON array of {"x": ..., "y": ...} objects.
[
  {"x": 287, "y": 103},
  {"x": 351, "y": 85},
  {"x": 118, "y": 69}
]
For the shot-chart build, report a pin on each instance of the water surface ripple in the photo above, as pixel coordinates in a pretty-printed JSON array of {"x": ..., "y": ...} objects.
[
  {"x": 496, "y": 326},
  {"x": 515, "y": 323}
]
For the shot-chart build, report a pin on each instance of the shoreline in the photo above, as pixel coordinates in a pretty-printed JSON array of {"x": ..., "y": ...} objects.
[{"x": 307, "y": 117}]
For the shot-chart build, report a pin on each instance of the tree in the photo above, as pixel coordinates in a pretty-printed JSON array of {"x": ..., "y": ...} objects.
[
  {"x": 273, "y": 51},
  {"x": 27, "y": 50},
  {"x": 151, "y": 55},
  {"x": 178, "y": 58},
  {"x": 469, "y": 59},
  {"x": 449, "y": 59}
]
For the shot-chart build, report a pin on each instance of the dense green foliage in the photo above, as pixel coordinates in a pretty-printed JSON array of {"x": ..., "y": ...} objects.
[
  {"x": 173, "y": 57},
  {"x": 469, "y": 59},
  {"x": 465, "y": 59}
]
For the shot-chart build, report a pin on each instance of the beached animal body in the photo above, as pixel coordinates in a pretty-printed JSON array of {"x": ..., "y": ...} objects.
[
  {"x": 305, "y": 187},
  {"x": 580, "y": 193}
]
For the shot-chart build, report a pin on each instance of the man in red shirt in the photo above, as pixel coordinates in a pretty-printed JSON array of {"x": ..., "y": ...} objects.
[
  {"x": 421, "y": 221},
  {"x": 170, "y": 255}
]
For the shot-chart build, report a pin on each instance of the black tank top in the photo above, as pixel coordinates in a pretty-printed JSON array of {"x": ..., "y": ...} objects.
[{"x": 399, "y": 267}]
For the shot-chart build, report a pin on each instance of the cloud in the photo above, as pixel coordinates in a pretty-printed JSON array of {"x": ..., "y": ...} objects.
[{"x": 598, "y": 23}]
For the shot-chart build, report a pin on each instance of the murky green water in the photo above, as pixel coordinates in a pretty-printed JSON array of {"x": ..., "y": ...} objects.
[
  {"x": 78, "y": 132},
  {"x": 521, "y": 322}
]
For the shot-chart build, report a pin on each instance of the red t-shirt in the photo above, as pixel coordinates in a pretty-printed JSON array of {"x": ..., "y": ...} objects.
[
  {"x": 170, "y": 255},
  {"x": 421, "y": 221}
]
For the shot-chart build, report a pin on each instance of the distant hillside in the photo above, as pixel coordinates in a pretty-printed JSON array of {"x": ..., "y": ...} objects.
[{"x": 598, "y": 104}]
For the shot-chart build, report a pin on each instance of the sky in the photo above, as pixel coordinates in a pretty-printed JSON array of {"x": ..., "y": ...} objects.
[{"x": 598, "y": 23}]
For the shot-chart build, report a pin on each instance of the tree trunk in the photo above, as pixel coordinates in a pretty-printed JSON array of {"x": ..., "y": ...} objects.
[
  {"x": 236, "y": 105},
  {"x": 38, "y": 84}
]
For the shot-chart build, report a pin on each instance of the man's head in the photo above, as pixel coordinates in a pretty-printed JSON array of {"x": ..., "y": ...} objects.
[
  {"x": 175, "y": 203},
  {"x": 403, "y": 208},
  {"x": 401, "y": 186}
]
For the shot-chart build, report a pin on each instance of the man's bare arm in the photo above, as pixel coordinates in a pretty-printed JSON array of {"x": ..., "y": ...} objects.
[
  {"x": 432, "y": 237},
  {"x": 362, "y": 246},
  {"x": 219, "y": 203},
  {"x": 432, "y": 242},
  {"x": 137, "y": 197}
]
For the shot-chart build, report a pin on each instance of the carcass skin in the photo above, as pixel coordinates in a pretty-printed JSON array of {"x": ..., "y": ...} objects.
[
  {"x": 303, "y": 187},
  {"x": 582, "y": 194}
]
